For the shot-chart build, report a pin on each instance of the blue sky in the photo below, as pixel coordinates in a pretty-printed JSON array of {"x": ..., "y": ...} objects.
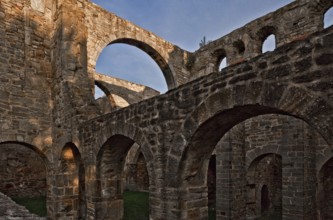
[{"x": 181, "y": 22}]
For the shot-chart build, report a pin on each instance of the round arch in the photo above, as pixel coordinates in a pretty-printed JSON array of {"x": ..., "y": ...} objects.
[
  {"x": 71, "y": 171},
  {"x": 221, "y": 111},
  {"x": 325, "y": 190},
  {"x": 27, "y": 169},
  {"x": 263, "y": 34},
  {"x": 32, "y": 147},
  {"x": 319, "y": 9},
  {"x": 110, "y": 175},
  {"x": 154, "y": 54}
]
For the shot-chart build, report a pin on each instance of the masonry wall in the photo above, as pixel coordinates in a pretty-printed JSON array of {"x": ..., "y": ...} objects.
[
  {"x": 25, "y": 72},
  {"x": 292, "y": 22},
  {"x": 22, "y": 173},
  {"x": 46, "y": 102}
]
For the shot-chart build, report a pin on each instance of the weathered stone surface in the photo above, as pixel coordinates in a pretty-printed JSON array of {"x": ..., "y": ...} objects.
[{"x": 48, "y": 52}]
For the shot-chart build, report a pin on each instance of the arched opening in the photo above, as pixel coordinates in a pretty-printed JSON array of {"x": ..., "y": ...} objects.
[
  {"x": 228, "y": 133},
  {"x": 328, "y": 18},
  {"x": 266, "y": 39},
  {"x": 135, "y": 170},
  {"x": 221, "y": 59},
  {"x": 223, "y": 63},
  {"x": 23, "y": 176},
  {"x": 239, "y": 46},
  {"x": 265, "y": 201},
  {"x": 135, "y": 62},
  {"x": 325, "y": 191},
  {"x": 264, "y": 186},
  {"x": 269, "y": 44},
  {"x": 123, "y": 180},
  {"x": 71, "y": 179},
  {"x": 211, "y": 185}
]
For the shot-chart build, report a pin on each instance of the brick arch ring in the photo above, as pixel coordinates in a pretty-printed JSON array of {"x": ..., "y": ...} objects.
[
  {"x": 160, "y": 59},
  {"x": 131, "y": 132},
  {"x": 223, "y": 110}
]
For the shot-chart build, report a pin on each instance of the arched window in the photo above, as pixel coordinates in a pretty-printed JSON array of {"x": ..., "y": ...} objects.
[
  {"x": 221, "y": 59},
  {"x": 127, "y": 62},
  {"x": 240, "y": 46},
  {"x": 328, "y": 18},
  {"x": 223, "y": 63},
  {"x": 269, "y": 44}
]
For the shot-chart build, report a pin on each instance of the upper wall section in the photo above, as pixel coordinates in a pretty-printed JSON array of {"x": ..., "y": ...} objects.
[
  {"x": 26, "y": 29},
  {"x": 105, "y": 28},
  {"x": 293, "y": 22}
]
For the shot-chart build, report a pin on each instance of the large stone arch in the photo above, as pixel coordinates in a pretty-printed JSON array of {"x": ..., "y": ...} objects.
[
  {"x": 154, "y": 54},
  {"x": 110, "y": 176},
  {"x": 111, "y": 145},
  {"x": 123, "y": 129},
  {"x": 159, "y": 57},
  {"x": 191, "y": 173},
  {"x": 25, "y": 169},
  {"x": 221, "y": 111}
]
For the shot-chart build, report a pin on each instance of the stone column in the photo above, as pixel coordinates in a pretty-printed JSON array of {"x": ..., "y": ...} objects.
[
  {"x": 298, "y": 174},
  {"x": 231, "y": 176}
]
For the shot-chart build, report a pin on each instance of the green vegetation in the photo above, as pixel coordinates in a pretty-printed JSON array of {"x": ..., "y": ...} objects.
[
  {"x": 136, "y": 205},
  {"x": 211, "y": 213},
  {"x": 274, "y": 216},
  {"x": 36, "y": 205}
]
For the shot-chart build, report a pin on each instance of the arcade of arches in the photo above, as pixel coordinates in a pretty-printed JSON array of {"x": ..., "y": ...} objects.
[{"x": 251, "y": 140}]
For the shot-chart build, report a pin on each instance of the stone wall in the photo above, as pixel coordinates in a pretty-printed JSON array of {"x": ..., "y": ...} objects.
[
  {"x": 47, "y": 104},
  {"x": 26, "y": 74},
  {"x": 326, "y": 191},
  {"x": 287, "y": 24},
  {"x": 22, "y": 173},
  {"x": 120, "y": 93},
  {"x": 105, "y": 28}
]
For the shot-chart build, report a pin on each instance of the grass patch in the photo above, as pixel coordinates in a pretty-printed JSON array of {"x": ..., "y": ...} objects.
[
  {"x": 211, "y": 213},
  {"x": 136, "y": 205},
  {"x": 36, "y": 205},
  {"x": 274, "y": 216}
]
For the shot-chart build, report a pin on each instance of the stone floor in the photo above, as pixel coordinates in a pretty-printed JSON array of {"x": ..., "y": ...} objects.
[{"x": 9, "y": 210}]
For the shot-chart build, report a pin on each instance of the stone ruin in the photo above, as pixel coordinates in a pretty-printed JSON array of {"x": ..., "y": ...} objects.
[{"x": 253, "y": 138}]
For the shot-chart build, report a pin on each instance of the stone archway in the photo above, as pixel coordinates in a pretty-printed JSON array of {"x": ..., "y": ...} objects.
[
  {"x": 151, "y": 52},
  {"x": 70, "y": 181},
  {"x": 325, "y": 191},
  {"x": 111, "y": 176},
  {"x": 135, "y": 170},
  {"x": 23, "y": 173},
  {"x": 264, "y": 186},
  {"x": 294, "y": 143}
]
